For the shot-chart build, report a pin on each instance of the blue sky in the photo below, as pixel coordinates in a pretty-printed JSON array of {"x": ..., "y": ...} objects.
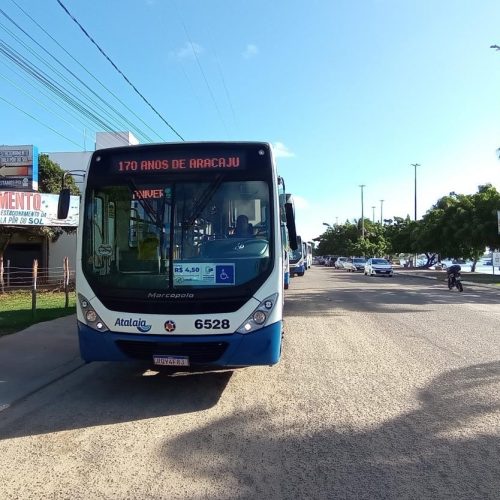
[{"x": 349, "y": 92}]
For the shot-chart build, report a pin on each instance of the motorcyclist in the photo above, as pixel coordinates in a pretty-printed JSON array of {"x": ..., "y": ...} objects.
[{"x": 452, "y": 272}]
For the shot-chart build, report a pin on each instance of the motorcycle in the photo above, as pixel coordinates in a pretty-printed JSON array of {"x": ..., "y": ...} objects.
[{"x": 455, "y": 280}]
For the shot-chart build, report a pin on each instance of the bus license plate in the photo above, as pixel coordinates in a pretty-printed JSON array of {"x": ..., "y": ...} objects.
[{"x": 171, "y": 360}]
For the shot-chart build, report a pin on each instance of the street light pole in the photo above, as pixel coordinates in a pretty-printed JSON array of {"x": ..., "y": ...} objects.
[
  {"x": 415, "y": 165},
  {"x": 362, "y": 213},
  {"x": 373, "y": 213},
  {"x": 381, "y": 205}
]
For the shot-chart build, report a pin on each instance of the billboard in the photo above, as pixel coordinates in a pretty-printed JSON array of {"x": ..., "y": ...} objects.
[
  {"x": 19, "y": 168},
  {"x": 35, "y": 209}
]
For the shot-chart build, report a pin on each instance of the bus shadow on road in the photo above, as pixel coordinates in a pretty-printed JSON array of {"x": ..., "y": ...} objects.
[
  {"x": 445, "y": 446},
  {"x": 110, "y": 393}
]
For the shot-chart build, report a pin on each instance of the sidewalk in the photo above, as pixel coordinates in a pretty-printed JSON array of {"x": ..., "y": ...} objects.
[{"x": 37, "y": 356}]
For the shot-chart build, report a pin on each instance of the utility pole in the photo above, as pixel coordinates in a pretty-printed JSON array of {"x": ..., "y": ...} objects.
[
  {"x": 373, "y": 213},
  {"x": 381, "y": 205},
  {"x": 415, "y": 165},
  {"x": 362, "y": 213}
]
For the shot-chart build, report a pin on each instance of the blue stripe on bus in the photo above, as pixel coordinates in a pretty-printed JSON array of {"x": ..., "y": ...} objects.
[{"x": 262, "y": 347}]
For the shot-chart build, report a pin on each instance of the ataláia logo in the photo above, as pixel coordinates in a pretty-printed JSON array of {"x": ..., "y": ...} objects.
[{"x": 140, "y": 324}]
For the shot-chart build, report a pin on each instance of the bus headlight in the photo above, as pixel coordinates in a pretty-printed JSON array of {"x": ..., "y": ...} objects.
[
  {"x": 259, "y": 316},
  {"x": 91, "y": 317}
]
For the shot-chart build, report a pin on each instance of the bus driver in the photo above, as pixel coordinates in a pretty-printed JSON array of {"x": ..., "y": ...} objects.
[{"x": 243, "y": 228}]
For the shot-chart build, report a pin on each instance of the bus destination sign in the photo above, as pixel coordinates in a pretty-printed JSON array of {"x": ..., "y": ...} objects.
[{"x": 177, "y": 163}]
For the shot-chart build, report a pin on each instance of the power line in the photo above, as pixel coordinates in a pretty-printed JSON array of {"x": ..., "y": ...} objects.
[
  {"x": 28, "y": 64},
  {"x": 29, "y": 49},
  {"x": 54, "y": 87},
  {"x": 73, "y": 113},
  {"x": 219, "y": 66},
  {"x": 40, "y": 90},
  {"x": 39, "y": 121},
  {"x": 201, "y": 69},
  {"x": 119, "y": 71},
  {"x": 93, "y": 77},
  {"x": 40, "y": 103},
  {"x": 95, "y": 104}
]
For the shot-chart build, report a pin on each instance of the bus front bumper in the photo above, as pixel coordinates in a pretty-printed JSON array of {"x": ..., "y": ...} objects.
[
  {"x": 262, "y": 347},
  {"x": 297, "y": 269}
]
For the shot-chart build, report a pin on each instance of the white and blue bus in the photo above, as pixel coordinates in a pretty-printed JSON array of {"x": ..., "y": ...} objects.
[
  {"x": 289, "y": 239},
  {"x": 309, "y": 254},
  {"x": 180, "y": 255},
  {"x": 298, "y": 261}
]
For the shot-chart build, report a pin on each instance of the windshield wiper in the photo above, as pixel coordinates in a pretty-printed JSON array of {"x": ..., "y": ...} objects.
[{"x": 202, "y": 202}]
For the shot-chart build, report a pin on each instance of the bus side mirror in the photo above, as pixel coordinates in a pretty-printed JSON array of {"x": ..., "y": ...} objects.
[
  {"x": 63, "y": 203},
  {"x": 290, "y": 224}
]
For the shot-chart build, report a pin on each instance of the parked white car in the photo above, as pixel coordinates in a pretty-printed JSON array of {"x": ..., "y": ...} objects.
[
  {"x": 378, "y": 267},
  {"x": 355, "y": 264},
  {"x": 339, "y": 263}
]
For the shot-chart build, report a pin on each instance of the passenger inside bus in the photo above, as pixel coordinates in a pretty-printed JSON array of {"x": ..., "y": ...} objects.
[
  {"x": 243, "y": 228},
  {"x": 149, "y": 247}
]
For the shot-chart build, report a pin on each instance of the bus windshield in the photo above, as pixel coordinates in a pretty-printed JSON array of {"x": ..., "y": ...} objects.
[
  {"x": 214, "y": 233},
  {"x": 296, "y": 255}
]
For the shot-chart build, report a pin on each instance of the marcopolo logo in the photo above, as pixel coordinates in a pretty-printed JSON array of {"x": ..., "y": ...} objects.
[
  {"x": 140, "y": 324},
  {"x": 156, "y": 295}
]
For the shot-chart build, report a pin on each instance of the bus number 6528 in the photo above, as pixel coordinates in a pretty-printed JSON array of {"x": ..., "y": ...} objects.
[{"x": 211, "y": 324}]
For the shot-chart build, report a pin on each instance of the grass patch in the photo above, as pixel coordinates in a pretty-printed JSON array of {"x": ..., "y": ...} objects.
[
  {"x": 482, "y": 278},
  {"x": 490, "y": 279},
  {"x": 15, "y": 309}
]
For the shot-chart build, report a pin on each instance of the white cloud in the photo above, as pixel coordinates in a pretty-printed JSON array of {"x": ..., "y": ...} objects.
[
  {"x": 188, "y": 51},
  {"x": 251, "y": 50},
  {"x": 281, "y": 151},
  {"x": 300, "y": 202}
]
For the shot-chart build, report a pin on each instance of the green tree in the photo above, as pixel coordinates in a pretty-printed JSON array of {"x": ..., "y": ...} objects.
[
  {"x": 484, "y": 221},
  {"x": 401, "y": 235},
  {"x": 337, "y": 240},
  {"x": 374, "y": 242},
  {"x": 50, "y": 177},
  {"x": 346, "y": 239},
  {"x": 462, "y": 226}
]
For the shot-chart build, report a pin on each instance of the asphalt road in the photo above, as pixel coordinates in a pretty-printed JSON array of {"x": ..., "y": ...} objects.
[{"x": 388, "y": 388}]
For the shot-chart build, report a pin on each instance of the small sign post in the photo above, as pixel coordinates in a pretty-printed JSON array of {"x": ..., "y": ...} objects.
[{"x": 495, "y": 261}]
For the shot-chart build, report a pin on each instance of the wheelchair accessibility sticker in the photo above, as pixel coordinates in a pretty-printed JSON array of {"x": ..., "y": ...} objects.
[{"x": 224, "y": 274}]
